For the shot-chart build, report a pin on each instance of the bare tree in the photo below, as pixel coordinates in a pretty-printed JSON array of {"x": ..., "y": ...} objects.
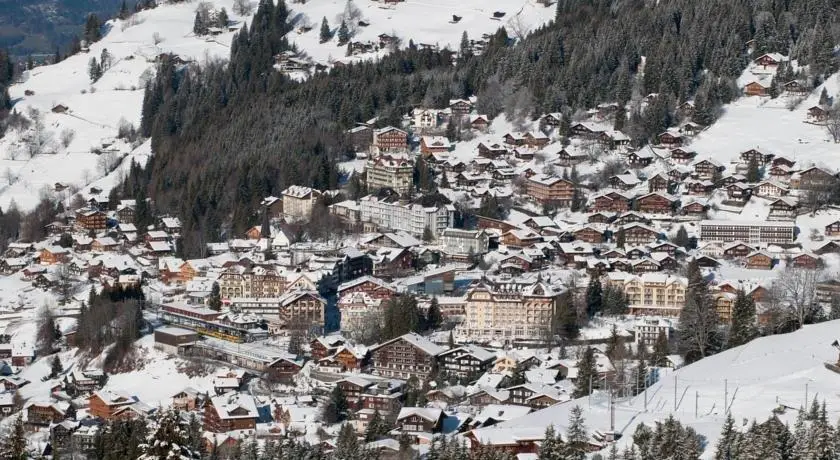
[
  {"x": 10, "y": 176},
  {"x": 796, "y": 289},
  {"x": 40, "y": 138},
  {"x": 64, "y": 284},
  {"x": 242, "y": 7},
  {"x": 67, "y": 136},
  {"x": 832, "y": 123},
  {"x": 157, "y": 39}
]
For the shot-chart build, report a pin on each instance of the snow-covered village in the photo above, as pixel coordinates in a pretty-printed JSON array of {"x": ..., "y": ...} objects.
[{"x": 418, "y": 230}]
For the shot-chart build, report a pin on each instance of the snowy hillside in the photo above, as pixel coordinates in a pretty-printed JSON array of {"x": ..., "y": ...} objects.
[
  {"x": 753, "y": 380},
  {"x": 767, "y": 125},
  {"x": 95, "y": 110}
]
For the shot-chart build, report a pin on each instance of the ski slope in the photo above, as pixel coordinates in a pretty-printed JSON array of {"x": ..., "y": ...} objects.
[{"x": 752, "y": 380}]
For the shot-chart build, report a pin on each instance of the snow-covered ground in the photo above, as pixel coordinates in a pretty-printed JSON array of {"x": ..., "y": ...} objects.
[
  {"x": 751, "y": 380},
  {"x": 95, "y": 110}
]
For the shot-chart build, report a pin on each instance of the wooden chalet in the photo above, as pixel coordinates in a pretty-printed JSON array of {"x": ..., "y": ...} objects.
[
  {"x": 659, "y": 183},
  {"x": 656, "y": 203},
  {"x": 817, "y": 114},
  {"x": 759, "y": 260},
  {"x": 806, "y": 260},
  {"x": 682, "y": 156},
  {"x": 755, "y": 88},
  {"x": 670, "y": 139}
]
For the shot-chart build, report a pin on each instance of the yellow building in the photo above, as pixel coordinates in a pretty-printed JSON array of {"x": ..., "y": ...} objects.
[
  {"x": 507, "y": 312},
  {"x": 655, "y": 294}
]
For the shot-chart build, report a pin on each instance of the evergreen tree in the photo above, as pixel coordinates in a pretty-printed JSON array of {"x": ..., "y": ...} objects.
[
  {"x": 336, "y": 408},
  {"x": 552, "y": 446},
  {"x": 326, "y": 33},
  {"x": 343, "y": 34},
  {"x": 594, "y": 299},
  {"x": 727, "y": 443},
  {"x": 14, "y": 446},
  {"x": 641, "y": 382},
  {"x": 743, "y": 327},
  {"x": 587, "y": 374},
  {"x": 465, "y": 51},
  {"x": 753, "y": 171},
  {"x": 94, "y": 70},
  {"x": 620, "y": 238},
  {"x": 698, "y": 318},
  {"x": 55, "y": 367},
  {"x": 428, "y": 236},
  {"x": 200, "y": 27},
  {"x": 168, "y": 439},
  {"x": 434, "y": 318},
  {"x": 347, "y": 445},
  {"x": 92, "y": 29},
  {"x": 661, "y": 350},
  {"x": 222, "y": 19},
  {"x": 214, "y": 301},
  {"x": 576, "y": 436},
  {"x": 377, "y": 428},
  {"x": 681, "y": 238}
]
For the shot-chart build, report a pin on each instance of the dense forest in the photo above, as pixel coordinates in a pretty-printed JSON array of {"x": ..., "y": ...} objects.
[{"x": 226, "y": 134}]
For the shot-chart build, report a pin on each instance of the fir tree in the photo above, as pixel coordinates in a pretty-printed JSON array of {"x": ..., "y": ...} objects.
[
  {"x": 727, "y": 443},
  {"x": 753, "y": 171},
  {"x": 661, "y": 350},
  {"x": 214, "y": 300},
  {"x": 681, "y": 238},
  {"x": 576, "y": 436},
  {"x": 14, "y": 446},
  {"x": 434, "y": 318},
  {"x": 377, "y": 428},
  {"x": 620, "y": 238},
  {"x": 451, "y": 341},
  {"x": 343, "y": 34},
  {"x": 336, "y": 408},
  {"x": 326, "y": 33},
  {"x": 55, "y": 367},
  {"x": 123, "y": 14},
  {"x": 168, "y": 439},
  {"x": 94, "y": 70},
  {"x": 587, "y": 374},
  {"x": 552, "y": 446},
  {"x": 594, "y": 299},
  {"x": 743, "y": 327},
  {"x": 698, "y": 318},
  {"x": 641, "y": 369}
]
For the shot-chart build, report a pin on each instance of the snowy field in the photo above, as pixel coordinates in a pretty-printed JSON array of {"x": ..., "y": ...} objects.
[{"x": 751, "y": 380}]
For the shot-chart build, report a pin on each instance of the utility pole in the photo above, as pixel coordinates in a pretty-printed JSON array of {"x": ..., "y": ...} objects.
[
  {"x": 725, "y": 395},
  {"x": 589, "y": 397},
  {"x": 805, "y": 406},
  {"x": 675, "y": 393},
  {"x": 696, "y": 402}
]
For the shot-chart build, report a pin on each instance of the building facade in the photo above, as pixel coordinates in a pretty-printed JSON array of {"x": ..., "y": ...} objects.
[
  {"x": 753, "y": 232},
  {"x": 412, "y": 218},
  {"x": 655, "y": 294},
  {"x": 388, "y": 171},
  {"x": 507, "y": 312}
]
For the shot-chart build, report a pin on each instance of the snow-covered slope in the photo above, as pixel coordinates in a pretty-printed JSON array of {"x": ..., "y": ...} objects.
[
  {"x": 768, "y": 125},
  {"x": 95, "y": 110},
  {"x": 752, "y": 379}
]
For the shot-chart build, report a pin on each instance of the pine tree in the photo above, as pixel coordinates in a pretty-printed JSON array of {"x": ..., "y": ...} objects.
[
  {"x": 347, "y": 445},
  {"x": 681, "y": 238},
  {"x": 222, "y": 19},
  {"x": 753, "y": 171},
  {"x": 728, "y": 440},
  {"x": 168, "y": 441},
  {"x": 94, "y": 70},
  {"x": 587, "y": 374},
  {"x": 465, "y": 51},
  {"x": 14, "y": 446},
  {"x": 434, "y": 318},
  {"x": 620, "y": 238},
  {"x": 641, "y": 370},
  {"x": 576, "y": 436},
  {"x": 326, "y": 33},
  {"x": 594, "y": 299},
  {"x": 698, "y": 318},
  {"x": 343, "y": 34},
  {"x": 615, "y": 344},
  {"x": 551, "y": 447},
  {"x": 743, "y": 327},
  {"x": 214, "y": 300},
  {"x": 199, "y": 25},
  {"x": 661, "y": 350},
  {"x": 55, "y": 367},
  {"x": 377, "y": 428},
  {"x": 451, "y": 341},
  {"x": 337, "y": 406}
]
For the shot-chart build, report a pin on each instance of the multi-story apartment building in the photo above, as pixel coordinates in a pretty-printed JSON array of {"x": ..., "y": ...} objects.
[
  {"x": 647, "y": 331},
  {"x": 296, "y": 309},
  {"x": 550, "y": 189},
  {"x": 391, "y": 171},
  {"x": 507, "y": 312},
  {"x": 655, "y": 294},
  {"x": 459, "y": 243},
  {"x": 752, "y": 232},
  {"x": 359, "y": 312},
  {"x": 413, "y": 218},
  {"x": 254, "y": 282},
  {"x": 298, "y": 201},
  {"x": 390, "y": 139},
  {"x": 409, "y": 355}
]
